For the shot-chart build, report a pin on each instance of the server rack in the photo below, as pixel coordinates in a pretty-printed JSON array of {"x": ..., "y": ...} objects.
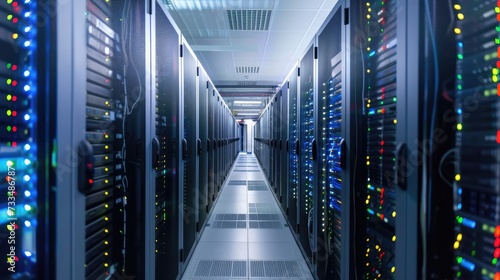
[
  {"x": 307, "y": 155},
  {"x": 167, "y": 146},
  {"x": 211, "y": 147},
  {"x": 330, "y": 141},
  {"x": 293, "y": 155},
  {"x": 190, "y": 166},
  {"x": 475, "y": 189},
  {"x": 23, "y": 231},
  {"x": 380, "y": 93},
  {"x": 203, "y": 148},
  {"x": 285, "y": 148}
]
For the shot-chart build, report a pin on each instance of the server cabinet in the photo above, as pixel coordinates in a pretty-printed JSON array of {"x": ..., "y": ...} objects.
[
  {"x": 476, "y": 237},
  {"x": 190, "y": 127},
  {"x": 380, "y": 93},
  {"x": 293, "y": 154},
  {"x": 285, "y": 148},
  {"x": 203, "y": 148},
  {"x": 211, "y": 147},
  {"x": 216, "y": 112},
  {"x": 277, "y": 144},
  {"x": 167, "y": 146},
  {"x": 307, "y": 155},
  {"x": 97, "y": 185},
  {"x": 330, "y": 141},
  {"x": 25, "y": 216}
]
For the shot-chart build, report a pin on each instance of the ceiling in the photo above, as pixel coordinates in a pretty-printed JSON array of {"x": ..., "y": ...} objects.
[{"x": 248, "y": 47}]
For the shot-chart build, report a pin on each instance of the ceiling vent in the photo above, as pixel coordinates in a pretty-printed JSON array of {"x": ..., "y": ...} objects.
[
  {"x": 249, "y": 20},
  {"x": 247, "y": 70},
  {"x": 247, "y": 83}
]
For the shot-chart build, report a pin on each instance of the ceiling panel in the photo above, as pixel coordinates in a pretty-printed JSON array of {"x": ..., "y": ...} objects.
[{"x": 292, "y": 25}]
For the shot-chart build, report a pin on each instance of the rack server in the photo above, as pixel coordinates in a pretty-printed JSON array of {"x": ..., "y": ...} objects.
[
  {"x": 476, "y": 222},
  {"x": 380, "y": 95},
  {"x": 330, "y": 95},
  {"x": 167, "y": 148},
  {"x": 19, "y": 95},
  {"x": 307, "y": 154}
]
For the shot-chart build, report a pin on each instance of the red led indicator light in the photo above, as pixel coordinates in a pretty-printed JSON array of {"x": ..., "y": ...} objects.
[
  {"x": 14, "y": 129},
  {"x": 14, "y": 83},
  {"x": 89, "y": 165},
  {"x": 498, "y": 52},
  {"x": 381, "y": 151},
  {"x": 498, "y": 64},
  {"x": 497, "y": 276},
  {"x": 382, "y": 143},
  {"x": 15, "y": 20},
  {"x": 14, "y": 144},
  {"x": 497, "y": 242},
  {"x": 496, "y": 254},
  {"x": 14, "y": 98},
  {"x": 91, "y": 181},
  {"x": 498, "y": 141},
  {"x": 498, "y": 89},
  {"x": 14, "y": 67}
]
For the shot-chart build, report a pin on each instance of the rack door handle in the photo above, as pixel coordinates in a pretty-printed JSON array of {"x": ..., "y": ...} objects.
[{"x": 86, "y": 164}]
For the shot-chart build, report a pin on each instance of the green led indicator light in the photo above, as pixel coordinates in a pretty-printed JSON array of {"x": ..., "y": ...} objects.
[
  {"x": 9, "y": 144},
  {"x": 9, "y": 17},
  {"x": 9, "y": 65},
  {"x": 9, "y": 112},
  {"x": 473, "y": 253},
  {"x": 460, "y": 56},
  {"x": 494, "y": 261},
  {"x": 381, "y": 102},
  {"x": 9, "y": 97},
  {"x": 459, "y": 87},
  {"x": 497, "y": 28},
  {"x": 9, "y": 128},
  {"x": 394, "y": 99},
  {"x": 9, "y": 81},
  {"x": 459, "y": 260},
  {"x": 459, "y": 76},
  {"x": 459, "y": 274}
]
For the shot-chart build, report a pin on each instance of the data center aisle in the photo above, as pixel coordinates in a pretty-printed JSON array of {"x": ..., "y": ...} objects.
[{"x": 246, "y": 236}]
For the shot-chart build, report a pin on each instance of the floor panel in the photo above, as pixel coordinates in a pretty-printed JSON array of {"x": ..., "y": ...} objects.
[{"x": 246, "y": 235}]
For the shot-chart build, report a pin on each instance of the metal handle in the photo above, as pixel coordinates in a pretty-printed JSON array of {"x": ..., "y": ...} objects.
[
  {"x": 156, "y": 152},
  {"x": 343, "y": 154},
  {"x": 297, "y": 147},
  {"x": 200, "y": 148},
  {"x": 86, "y": 164},
  {"x": 314, "y": 150},
  {"x": 184, "y": 149}
]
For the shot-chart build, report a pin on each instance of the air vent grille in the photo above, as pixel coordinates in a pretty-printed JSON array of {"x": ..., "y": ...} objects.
[
  {"x": 247, "y": 83},
  {"x": 247, "y": 69},
  {"x": 249, "y": 20}
]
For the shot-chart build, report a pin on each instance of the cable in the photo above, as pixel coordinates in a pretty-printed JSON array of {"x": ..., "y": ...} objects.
[{"x": 441, "y": 162}]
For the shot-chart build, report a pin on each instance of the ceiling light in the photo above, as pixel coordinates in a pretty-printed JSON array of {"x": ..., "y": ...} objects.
[
  {"x": 247, "y": 102},
  {"x": 247, "y": 114}
]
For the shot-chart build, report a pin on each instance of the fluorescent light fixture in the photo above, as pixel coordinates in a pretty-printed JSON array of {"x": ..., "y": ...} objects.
[
  {"x": 247, "y": 102},
  {"x": 247, "y": 114}
]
